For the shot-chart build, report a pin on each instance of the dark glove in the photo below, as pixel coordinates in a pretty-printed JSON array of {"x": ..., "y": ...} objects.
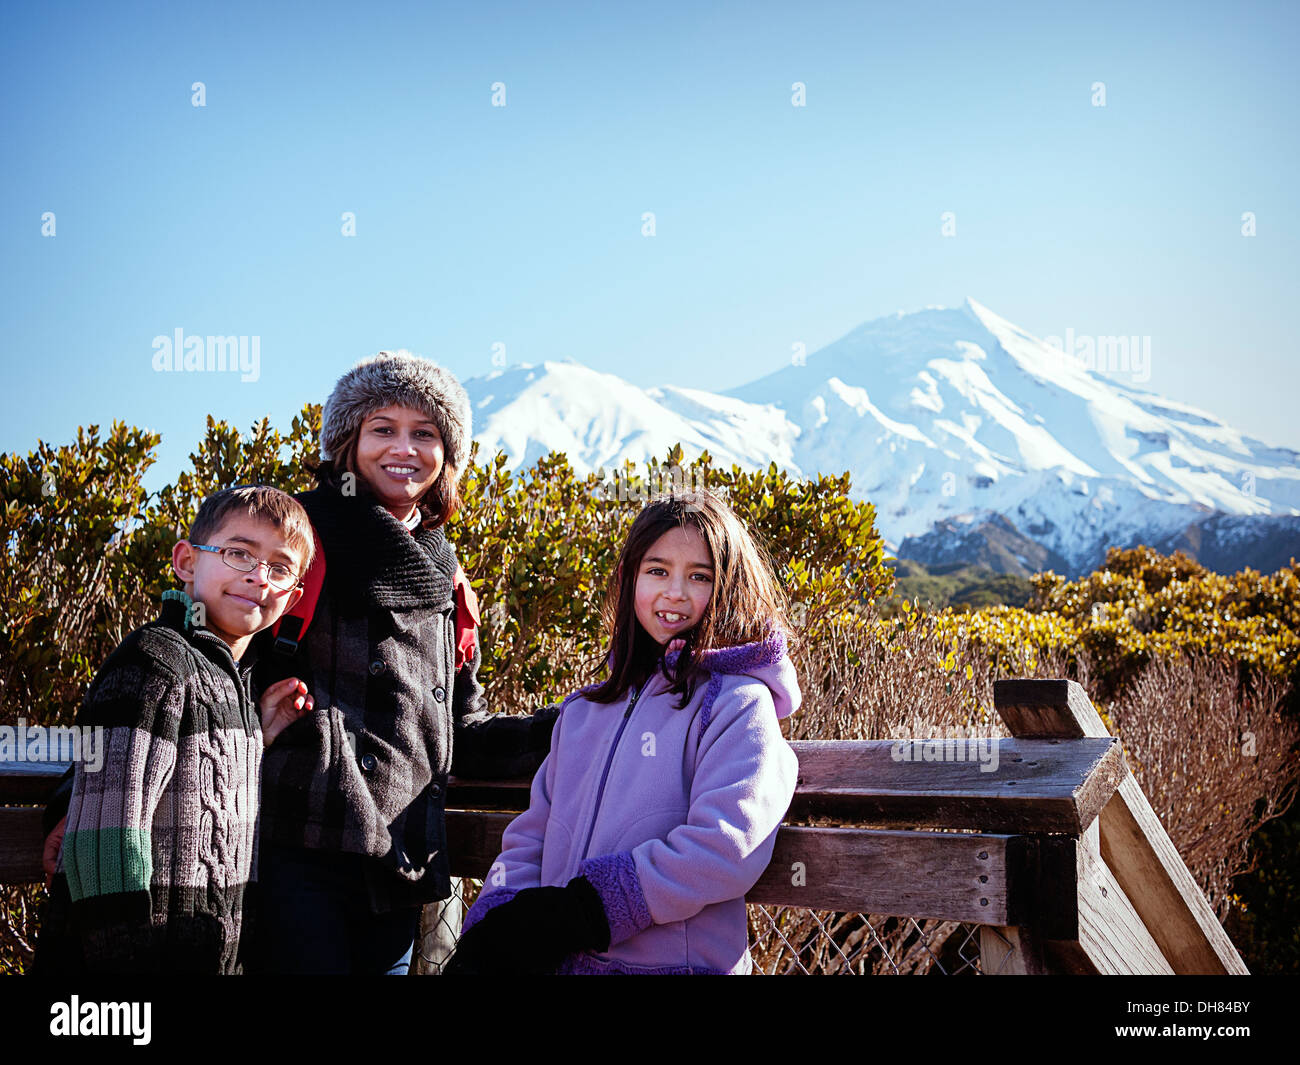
[
  {"x": 534, "y": 932},
  {"x": 480, "y": 951}
]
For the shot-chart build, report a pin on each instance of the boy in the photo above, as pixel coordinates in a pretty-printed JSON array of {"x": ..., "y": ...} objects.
[{"x": 160, "y": 845}]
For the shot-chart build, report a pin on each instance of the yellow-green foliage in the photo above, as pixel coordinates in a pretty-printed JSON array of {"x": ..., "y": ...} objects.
[
  {"x": 87, "y": 549},
  {"x": 87, "y": 552},
  {"x": 1141, "y": 604},
  {"x": 71, "y": 583},
  {"x": 540, "y": 546},
  {"x": 1014, "y": 638}
]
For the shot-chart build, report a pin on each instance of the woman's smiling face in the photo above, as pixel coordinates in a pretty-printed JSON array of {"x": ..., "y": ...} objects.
[
  {"x": 674, "y": 583},
  {"x": 399, "y": 454}
]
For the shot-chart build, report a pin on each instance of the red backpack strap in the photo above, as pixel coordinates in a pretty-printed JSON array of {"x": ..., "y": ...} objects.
[
  {"x": 466, "y": 619},
  {"x": 292, "y": 625}
]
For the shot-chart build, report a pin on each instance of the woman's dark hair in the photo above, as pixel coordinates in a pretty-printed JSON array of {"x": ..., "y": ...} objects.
[
  {"x": 437, "y": 506},
  {"x": 746, "y": 603}
]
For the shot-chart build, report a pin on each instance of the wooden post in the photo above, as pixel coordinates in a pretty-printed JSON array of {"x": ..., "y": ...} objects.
[
  {"x": 1008, "y": 950},
  {"x": 1138, "y": 904},
  {"x": 439, "y": 929}
]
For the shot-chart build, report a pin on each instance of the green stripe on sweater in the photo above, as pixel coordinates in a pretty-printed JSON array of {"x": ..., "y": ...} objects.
[{"x": 107, "y": 861}]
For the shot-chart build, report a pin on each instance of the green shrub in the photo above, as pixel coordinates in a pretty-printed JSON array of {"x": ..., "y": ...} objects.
[
  {"x": 88, "y": 550},
  {"x": 87, "y": 553}
]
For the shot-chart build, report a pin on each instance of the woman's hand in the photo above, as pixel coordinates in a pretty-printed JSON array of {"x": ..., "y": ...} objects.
[
  {"x": 282, "y": 704},
  {"x": 50, "y": 857}
]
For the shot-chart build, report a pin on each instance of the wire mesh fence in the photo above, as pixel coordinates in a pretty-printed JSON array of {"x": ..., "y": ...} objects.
[{"x": 791, "y": 940}]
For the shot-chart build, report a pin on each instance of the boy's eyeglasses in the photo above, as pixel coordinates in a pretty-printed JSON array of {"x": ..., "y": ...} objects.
[{"x": 278, "y": 575}]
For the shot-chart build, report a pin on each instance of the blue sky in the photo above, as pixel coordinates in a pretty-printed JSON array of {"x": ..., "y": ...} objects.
[{"x": 522, "y": 225}]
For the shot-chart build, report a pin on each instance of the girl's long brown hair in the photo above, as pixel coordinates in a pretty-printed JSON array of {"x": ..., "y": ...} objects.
[{"x": 746, "y": 603}]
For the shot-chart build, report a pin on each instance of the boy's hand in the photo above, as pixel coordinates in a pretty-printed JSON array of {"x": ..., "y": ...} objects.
[
  {"x": 51, "y": 855},
  {"x": 281, "y": 705}
]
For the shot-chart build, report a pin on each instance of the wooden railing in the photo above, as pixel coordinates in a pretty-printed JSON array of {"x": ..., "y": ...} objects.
[{"x": 1056, "y": 854}]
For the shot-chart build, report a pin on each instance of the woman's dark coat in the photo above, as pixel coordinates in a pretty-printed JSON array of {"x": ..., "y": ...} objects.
[{"x": 366, "y": 772}]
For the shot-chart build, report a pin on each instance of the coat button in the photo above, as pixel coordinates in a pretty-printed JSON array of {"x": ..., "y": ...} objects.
[
  {"x": 368, "y": 762},
  {"x": 435, "y": 790},
  {"x": 439, "y": 694},
  {"x": 376, "y": 667}
]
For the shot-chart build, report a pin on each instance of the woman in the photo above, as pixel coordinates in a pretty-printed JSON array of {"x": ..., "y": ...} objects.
[{"x": 353, "y": 838}]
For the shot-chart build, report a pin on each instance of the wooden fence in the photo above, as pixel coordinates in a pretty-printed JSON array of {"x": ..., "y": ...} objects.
[{"x": 1056, "y": 854}]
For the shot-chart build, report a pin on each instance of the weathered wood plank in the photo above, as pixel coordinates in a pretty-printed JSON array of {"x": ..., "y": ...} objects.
[
  {"x": 1136, "y": 847},
  {"x": 1023, "y": 786},
  {"x": 22, "y": 783},
  {"x": 1047, "y": 709},
  {"x": 1113, "y": 937},
  {"x": 21, "y": 845},
  {"x": 1134, "y": 844},
  {"x": 1036, "y": 785},
  {"x": 916, "y": 874},
  {"x": 1007, "y": 950},
  {"x": 1030, "y": 785}
]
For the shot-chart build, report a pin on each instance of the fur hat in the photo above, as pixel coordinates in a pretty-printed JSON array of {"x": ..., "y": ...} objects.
[{"x": 398, "y": 377}]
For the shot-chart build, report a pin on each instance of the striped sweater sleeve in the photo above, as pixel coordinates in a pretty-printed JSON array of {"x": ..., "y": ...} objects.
[{"x": 108, "y": 846}]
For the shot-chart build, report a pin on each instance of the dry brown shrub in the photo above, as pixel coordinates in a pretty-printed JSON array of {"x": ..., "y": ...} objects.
[
  {"x": 859, "y": 686},
  {"x": 1215, "y": 757},
  {"x": 1182, "y": 723},
  {"x": 18, "y": 920}
]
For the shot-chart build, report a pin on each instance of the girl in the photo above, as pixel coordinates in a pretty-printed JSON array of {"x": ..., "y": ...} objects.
[
  {"x": 353, "y": 839},
  {"x": 658, "y": 805}
]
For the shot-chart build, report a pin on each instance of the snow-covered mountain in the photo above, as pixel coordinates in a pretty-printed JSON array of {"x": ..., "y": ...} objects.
[
  {"x": 941, "y": 416},
  {"x": 598, "y": 419}
]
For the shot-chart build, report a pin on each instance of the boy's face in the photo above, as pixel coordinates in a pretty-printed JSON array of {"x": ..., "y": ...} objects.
[
  {"x": 673, "y": 584},
  {"x": 399, "y": 454},
  {"x": 236, "y": 605}
]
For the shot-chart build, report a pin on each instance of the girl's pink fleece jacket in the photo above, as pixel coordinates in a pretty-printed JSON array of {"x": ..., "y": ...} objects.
[{"x": 671, "y": 814}]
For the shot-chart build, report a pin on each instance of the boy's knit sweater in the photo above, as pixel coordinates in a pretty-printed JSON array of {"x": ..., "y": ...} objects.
[{"x": 160, "y": 846}]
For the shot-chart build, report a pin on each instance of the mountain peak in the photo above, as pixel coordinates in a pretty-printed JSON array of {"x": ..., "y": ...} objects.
[{"x": 934, "y": 413}]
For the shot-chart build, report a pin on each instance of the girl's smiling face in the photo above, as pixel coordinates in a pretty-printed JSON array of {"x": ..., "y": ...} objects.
[
  {"x": 399, "y": 454},
  {"x": 673, "y": 584}
]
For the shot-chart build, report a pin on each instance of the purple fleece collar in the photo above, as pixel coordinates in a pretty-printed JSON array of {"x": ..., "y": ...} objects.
[{"x": 742, "y": 658}]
